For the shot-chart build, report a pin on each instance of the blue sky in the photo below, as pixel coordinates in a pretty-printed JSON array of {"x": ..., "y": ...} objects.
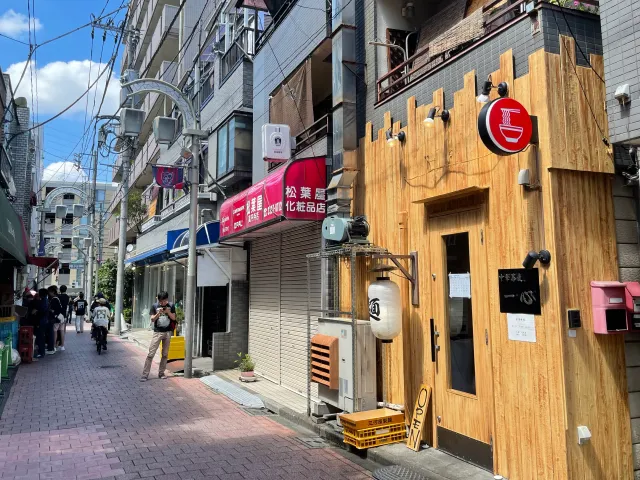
[{"x": 62, "y": 69}]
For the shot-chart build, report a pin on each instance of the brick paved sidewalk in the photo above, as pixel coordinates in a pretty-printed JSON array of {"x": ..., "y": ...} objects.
[{"x": 77, "y": 415}]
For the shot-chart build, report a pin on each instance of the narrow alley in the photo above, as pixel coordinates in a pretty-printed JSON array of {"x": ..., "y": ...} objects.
[{"x": 77, "y": 415}]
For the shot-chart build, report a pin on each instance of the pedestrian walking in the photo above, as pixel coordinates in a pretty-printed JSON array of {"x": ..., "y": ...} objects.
[
  {"x": 80, "y": 308},
  {"x": 41, "y": 311},
  {"x": 70, "y": 309},
  {"x": 163, "y": 317},
  {"x": 55, "y": 319},
  {"x": 64, "y": 303}
]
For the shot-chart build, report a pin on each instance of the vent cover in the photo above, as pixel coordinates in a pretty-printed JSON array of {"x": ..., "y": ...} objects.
[{"x": 324, "y": 360}]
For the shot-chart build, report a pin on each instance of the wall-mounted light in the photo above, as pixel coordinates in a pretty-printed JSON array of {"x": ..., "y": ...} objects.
[
  {"x": 532, "y": 257},
  {"x": 503, "y": 90},
  {"x": 430, "y": 118},
  {"x": 394, "y": 139}
]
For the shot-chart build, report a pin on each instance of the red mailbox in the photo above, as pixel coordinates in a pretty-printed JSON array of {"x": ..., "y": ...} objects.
[
  {"x": 633, "y": 304},
  {"x": 608, "y": 300}
]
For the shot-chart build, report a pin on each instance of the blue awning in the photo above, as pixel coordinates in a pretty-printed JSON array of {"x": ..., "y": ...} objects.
[
  {"x": 207, "y": 234},
  {"x": 155, "y": 255}
]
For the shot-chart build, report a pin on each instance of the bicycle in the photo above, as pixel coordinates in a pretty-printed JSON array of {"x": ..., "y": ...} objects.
[{"x": 100, "y": 342}]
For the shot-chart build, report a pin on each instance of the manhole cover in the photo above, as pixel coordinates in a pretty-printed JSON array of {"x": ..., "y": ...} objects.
[
  {"x": 313, "y": 442},
  {"x": 396, "y": 472},
  {"x": 258, "y": 412},
  {"x": 110, "y": 366}
]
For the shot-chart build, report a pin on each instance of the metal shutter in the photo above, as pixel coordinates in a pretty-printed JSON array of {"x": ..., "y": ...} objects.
[
  {"x": 295, "y": 245},
  {"x": 264, "y": 306}
]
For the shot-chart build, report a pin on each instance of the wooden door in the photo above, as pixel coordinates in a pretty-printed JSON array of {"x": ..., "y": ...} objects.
[{"x": 463, "y": 396}]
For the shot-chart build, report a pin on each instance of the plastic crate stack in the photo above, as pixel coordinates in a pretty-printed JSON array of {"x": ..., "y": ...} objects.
[
  {"x": 9, "y": 328},
  {"x": 25, "y": 345},
  {"x": 373, "y": 428}
]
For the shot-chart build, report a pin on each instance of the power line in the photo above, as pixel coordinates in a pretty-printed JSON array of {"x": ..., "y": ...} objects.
[{"x": 14, "y": 39}]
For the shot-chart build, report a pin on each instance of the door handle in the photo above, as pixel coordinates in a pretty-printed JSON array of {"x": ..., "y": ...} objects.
[{"x": 434, "y": 335}]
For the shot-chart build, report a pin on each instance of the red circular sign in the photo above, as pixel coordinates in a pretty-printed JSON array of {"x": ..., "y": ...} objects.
[{"x": 505, "y": 126}]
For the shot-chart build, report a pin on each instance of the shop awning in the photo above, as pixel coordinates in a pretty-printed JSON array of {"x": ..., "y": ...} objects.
[
  {"x": 40, "y": 261},
  {"x": 11, "y": 231},
  {"x": 294, "y": 193},
  {"x": 206, "y": 235},
  {"x": 151, "y": 256}
]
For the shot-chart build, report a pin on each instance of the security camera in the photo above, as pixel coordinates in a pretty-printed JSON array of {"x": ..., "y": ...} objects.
[{"x": 532, "y": 257}]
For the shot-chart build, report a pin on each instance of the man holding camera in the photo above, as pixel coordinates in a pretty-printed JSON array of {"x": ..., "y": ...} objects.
[{"x": 163, "y": 317}]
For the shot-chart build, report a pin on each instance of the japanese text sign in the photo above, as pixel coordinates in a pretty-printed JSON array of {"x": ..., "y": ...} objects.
[{"x": 519, "y": 290}]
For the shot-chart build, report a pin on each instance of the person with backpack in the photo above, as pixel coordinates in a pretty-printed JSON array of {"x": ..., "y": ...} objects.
[
  {"x": 41, "y": 312},
  {"x": 80, "y": 307},
  {"x": 55, "y": 319},
  {"x": 163, "y": 318}
]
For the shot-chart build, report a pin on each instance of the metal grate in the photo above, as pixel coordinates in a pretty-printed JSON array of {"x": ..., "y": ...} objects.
[
  {"x": 258, "y": 412},
  {"x": 396, "y": 472}
]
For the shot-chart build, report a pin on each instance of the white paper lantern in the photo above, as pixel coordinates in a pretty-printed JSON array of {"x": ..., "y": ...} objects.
[{"x": 385, "y": 309}]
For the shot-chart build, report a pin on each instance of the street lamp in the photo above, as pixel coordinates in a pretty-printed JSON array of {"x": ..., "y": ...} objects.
[{"x": 185, "y": 106}]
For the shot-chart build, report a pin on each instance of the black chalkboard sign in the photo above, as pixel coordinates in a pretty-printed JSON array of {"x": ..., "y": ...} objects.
[{"x": 519, "y": 290}]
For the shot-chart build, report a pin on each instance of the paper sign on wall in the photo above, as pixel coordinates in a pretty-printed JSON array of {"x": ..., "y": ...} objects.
[
  {"x": 521, "y": 327},
  {"x": 459, "y": 285}
]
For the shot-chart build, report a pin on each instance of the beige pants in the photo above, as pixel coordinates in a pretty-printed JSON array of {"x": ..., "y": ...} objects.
[
  {"x": 59, "y": 327},
  {"x": 165, "y": 338}
]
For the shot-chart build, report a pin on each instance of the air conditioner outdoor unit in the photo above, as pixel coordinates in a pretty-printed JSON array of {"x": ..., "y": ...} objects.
[{"x": 344, "y": 397}]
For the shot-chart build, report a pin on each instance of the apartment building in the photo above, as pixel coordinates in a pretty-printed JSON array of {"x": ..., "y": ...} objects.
[{"x": 64, "y": 185}]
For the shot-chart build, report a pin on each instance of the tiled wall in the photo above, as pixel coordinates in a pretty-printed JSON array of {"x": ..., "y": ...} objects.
[
  {"x": 620, "y": 38},
  {"x": 227, "y": 345}
]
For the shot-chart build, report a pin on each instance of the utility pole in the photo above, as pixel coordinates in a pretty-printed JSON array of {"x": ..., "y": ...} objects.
[
  {"x": 92, "y": 216},
  {"x": 132, "y": 36}
]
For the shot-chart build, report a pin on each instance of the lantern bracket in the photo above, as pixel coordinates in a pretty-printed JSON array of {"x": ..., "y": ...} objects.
[{"x": 411, "y": 274}]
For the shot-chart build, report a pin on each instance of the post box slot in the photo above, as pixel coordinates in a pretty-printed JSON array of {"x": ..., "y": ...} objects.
[{"x": 616, "y": 320}]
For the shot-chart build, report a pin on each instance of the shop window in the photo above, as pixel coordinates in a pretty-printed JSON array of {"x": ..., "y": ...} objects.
[
  {"x": 64, "y": 269},
  {"x": 234, "y": 145}
]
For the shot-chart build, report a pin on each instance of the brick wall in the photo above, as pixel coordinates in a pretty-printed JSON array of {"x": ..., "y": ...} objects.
[
  {"x": 625, "y": 211},
  {"x": 22, "y": 162},
  {"x": 227, "y": 345},
  {"x": 620, "y": 38}
]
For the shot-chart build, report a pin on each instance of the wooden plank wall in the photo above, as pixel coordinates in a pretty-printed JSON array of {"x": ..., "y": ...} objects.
[{"x": 398, "y": 187}]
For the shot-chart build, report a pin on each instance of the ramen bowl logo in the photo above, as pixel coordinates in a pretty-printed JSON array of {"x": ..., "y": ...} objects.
[{"x": 511, "y": 133}]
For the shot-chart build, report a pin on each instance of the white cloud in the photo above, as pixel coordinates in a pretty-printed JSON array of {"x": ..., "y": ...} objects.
[
  {"x": 66, "y": 171},
  {"x": 60, "y": 83},
  {"x": 16, "y": 24}
]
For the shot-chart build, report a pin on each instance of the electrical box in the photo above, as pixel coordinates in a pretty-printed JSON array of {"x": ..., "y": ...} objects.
[
  {"x": 78, "y": 210},
  {"x": 276, "y": 142},
  {"x": 61, "y": 211},
  {"x": 608, "y": 300},
  {"x": 164, "y": 129},
  {"x": 131, "y": 120},
  {"x": 344, "y": 397},
  {"x": 633, "y": 304}
]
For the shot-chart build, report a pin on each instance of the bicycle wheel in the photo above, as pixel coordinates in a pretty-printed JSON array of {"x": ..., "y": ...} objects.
[{"x": 99, "y": 341}]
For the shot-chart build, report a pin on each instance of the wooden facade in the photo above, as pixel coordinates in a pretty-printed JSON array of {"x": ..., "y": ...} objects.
[{"x": 531, "y": 397}]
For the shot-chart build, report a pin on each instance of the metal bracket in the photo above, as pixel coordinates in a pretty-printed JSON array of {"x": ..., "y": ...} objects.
[{"x": 411, "y": 276}]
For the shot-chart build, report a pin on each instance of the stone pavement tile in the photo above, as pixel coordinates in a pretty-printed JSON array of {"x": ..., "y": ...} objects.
[{"x": 163, "y": 430}]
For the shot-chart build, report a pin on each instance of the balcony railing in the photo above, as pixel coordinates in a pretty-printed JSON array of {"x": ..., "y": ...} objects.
[
  {"x": 6, "y": 177},
  {"x": 236, "y": 53},
  {"x": 320, "y": 129},
  {"x": 495, "y": 18},
  {"x": 153, "y": 221}
]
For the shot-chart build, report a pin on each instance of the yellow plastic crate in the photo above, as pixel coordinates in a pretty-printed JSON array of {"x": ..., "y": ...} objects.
[
  {"x": 7, "y": 319},
  {"x": 381, "y": 417},
  {"x": 375, "y": 432},
  {"x": 375, "y": 441}
]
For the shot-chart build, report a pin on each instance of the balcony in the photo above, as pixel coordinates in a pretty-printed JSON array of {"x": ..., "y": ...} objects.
[
  {"x": 450, "y": 46},
  {"x": 6, "y": 177},
  {"x": 320, "y": 129},
  {"x": 156, "y": 11},
  {"x": 152, "y": 222},
  {"x": 158, "y": 50},
  {"x": 231, "y": 59}
]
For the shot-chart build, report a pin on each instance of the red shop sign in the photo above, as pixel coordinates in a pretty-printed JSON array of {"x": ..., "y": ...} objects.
[
  {"x": 505, "y": 126},
  {"x": 295, "y": 191}
]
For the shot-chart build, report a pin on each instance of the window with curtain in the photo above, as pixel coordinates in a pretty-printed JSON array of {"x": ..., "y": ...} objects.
[{"x": 234, "y": 145}]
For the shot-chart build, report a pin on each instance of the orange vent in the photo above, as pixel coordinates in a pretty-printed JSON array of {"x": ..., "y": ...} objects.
[{"x": 324, "y": 360}]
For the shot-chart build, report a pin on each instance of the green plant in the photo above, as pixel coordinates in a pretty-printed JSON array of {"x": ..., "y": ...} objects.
[
  {"x": 246, "y": 363},
  {"x": 179, "y": 315},
  {"x": 107, "y": 274},
  {"x": 128, "y": 313}
]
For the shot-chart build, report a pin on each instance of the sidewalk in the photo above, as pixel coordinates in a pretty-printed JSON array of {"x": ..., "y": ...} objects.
[{"x": 77, "y": 415}]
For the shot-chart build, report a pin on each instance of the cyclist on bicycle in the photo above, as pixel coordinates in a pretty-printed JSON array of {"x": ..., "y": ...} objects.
[{"x": 101, "y": 320}]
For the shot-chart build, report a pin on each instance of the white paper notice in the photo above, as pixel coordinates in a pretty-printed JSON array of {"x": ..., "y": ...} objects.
[
  {"x": 521, "y": 327},
  {"x": 459, "y": 285}
]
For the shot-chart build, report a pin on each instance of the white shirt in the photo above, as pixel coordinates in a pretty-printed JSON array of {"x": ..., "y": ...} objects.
[{"x": 101, "y": 316}]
